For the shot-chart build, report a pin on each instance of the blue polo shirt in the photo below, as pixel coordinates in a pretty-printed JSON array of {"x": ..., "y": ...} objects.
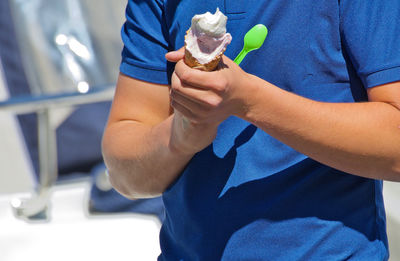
[{"x": 248, "y": 196}]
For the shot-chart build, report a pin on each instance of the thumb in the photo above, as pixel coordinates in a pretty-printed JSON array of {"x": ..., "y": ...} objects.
[{"x": 175, "y": 56}]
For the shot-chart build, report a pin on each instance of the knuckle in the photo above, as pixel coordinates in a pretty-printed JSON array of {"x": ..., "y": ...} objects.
[
  {"x": 214, "y": 101},
  {"x": 220, "y": 85},
  {"x": 175, "y": 87},
  {"x": 184, "y": 76}
]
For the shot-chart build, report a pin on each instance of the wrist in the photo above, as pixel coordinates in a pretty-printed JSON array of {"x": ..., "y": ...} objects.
[
  {"x": 179, "y": 147},
  {"x": 187, "y": 138},
  {"x": 249, "y": 97}
]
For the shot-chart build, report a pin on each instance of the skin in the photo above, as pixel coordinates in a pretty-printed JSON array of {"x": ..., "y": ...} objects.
[{"x": 153, "y": 131}]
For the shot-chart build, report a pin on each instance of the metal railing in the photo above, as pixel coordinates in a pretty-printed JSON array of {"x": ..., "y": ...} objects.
[{"x": 36, "y": 206}]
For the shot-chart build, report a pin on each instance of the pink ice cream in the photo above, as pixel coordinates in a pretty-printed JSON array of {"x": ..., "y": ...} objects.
[{"x": 207, "y": 37}]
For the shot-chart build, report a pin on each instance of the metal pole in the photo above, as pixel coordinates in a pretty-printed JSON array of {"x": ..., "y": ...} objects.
[
  {"x": 36, "y": 206},
  {"x": 47, "y": 150}
]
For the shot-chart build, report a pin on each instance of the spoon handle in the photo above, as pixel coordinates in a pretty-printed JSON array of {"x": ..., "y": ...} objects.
[{"x": 239, "y": 58}]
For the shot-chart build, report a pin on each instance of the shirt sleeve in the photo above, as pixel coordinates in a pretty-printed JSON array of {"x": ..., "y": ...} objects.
[
  {"x": 145, "y": 39},
  {"x": 370, "y": 31}
]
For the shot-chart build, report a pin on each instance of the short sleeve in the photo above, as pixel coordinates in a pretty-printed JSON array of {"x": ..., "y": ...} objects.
[
  {"x": 144, "y": 35},
  {"x": 370, "y": 31}
]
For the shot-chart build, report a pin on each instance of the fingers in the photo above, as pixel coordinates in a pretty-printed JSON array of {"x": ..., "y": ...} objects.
[
  {"x": 198, "y": 78},
  {"x": 175, "y": 56},
  {"x": 183, "y": 110},
  {"x": 194, "y": 112},
  {"x": 180, "y": 90},
  {"x": 198, "y": 105},
  {"x": 204, "y": 80},
  {"x": 216, "y": 81}
]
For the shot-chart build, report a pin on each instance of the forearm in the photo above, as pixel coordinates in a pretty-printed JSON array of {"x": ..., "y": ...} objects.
[
  {"x": 140, "y": 159},
  {"x": 358, "y": 138}
]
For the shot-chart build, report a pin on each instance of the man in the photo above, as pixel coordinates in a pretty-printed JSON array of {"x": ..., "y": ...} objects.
[{"x": 280, "y": 159}]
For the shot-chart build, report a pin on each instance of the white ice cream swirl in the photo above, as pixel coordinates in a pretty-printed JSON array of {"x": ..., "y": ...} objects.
[
  {"x": 210, "y": 24},
  {"x": 207, "y": 36}
]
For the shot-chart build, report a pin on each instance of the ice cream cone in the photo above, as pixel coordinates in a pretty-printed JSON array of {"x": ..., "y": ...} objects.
[
  {"x": 194, "y": 63},
  {"x": 206, "y": 41}
]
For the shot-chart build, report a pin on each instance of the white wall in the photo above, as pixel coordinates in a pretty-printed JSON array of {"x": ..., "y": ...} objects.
[{"x": 16, "y": 173}]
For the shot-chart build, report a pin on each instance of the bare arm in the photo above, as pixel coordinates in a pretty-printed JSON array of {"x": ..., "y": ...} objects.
[
  {"x": 144, "y": 142},
  {"x": 358, "y": 138}
]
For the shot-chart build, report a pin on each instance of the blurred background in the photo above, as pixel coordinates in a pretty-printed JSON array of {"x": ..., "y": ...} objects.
[{"x": 59, "y": 63}]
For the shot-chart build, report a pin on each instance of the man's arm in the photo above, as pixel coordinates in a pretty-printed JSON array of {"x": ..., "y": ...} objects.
[
  {"x": 358, "y": 138},
  {"x": 144, "y": 142}
]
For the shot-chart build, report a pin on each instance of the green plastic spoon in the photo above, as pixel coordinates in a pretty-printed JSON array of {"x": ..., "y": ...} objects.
[{"x": 253, "y": 40}]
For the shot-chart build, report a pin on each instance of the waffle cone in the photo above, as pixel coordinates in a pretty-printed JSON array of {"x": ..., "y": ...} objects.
[{"x": 194, "y": 63}]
